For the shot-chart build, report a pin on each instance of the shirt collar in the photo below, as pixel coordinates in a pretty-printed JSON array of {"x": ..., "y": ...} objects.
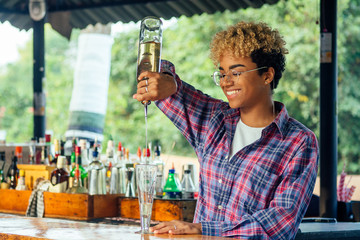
[{"x": 280, "y": 121}]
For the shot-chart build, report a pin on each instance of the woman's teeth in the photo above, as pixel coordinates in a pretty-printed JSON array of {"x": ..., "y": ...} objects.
[{"x": 232, "y": 92}]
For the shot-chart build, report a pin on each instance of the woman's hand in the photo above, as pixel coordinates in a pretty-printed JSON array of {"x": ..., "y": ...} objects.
[
  {"x": 154, "y": 86},
  {"x": 177, "y": 227}
]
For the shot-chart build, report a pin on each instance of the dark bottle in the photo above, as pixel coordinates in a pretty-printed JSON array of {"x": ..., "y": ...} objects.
[
  {"x": 62, "y": 148},
  {"x": 59, "y": 177},
  {"x": 14, "y": 173}
]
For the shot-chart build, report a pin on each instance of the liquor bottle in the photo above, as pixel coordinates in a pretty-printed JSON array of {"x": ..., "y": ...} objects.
[
  {"x": 4, "y": 184},
  {"x": 19, "y": 154},
  {"x": 70, "y": 153},
  {"x": 48, "y": 151},
  {"x": 96, "y": 173},
  {"x": 72, "y": 162},
  {"x": 146, "y": 156},
  {"x": 43, "y": 151},
  {"x": 83, "y": 172},
  {"x": 32, "y": 151},
  {"x": 187, "y": 185},
  {"x": 118, "y": 173},
  {"x": 138, "y": 154},
  {"x": 172, "y": 188},
  {"x": 77, "y": 185},
  {"x": 59, "y": 176},
  {"x": 84, "y": 153},
  {"x": 56, "y": 151},
  {"x": 62, "y": 148},
  {"x": 127, "y": 154},
  {"x": 119, "y": 152},
  {"x": 160, "y": 172},
  {"x": 149, "y": 50},
  {"x": 110, "y": 162},
  {"x": 110, "y": 152},
  {"x": 14, "y": 173},
  {"x": 69, "y": 149},
  {"x": 21, "y": 182}
]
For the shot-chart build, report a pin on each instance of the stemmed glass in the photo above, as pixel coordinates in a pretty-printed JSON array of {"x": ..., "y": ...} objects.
[{"x": 146, "y": 178}]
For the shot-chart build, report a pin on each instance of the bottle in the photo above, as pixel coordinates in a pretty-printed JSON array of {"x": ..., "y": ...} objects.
[
  {"x": 149, "y": 50},
  {"x": 59, "y": 176},
  {"x": 146, "y": 154},
  {"x": 96, "y": 173},
  {"x": 21, "y": 181},
  {"x": 138, "y": 154},
  {"x": 62, "y": 149},
  {"x": 56, "y": 151},
  {"x": 77, "y": 185},
  {"x": 187, "y": 185},
  {"x": 19, "y": 154},
  {"x": 110, "y": 152},
  {"x": 32, "y": 151},
  {"x": 160, "y": 172},
  {"x": 4, "y": 184},
  {"x": 72, "y": 162},
  {"x": 48, "y": 151},
  {"x": 69, "y": 149},
  {"x": 84, "y": 153},
  {"x": 83, "y": 172},
  {"x": 118, "y": 173},
  {"x": 110, "y": 161},
  {"x": 119, "y": 152},
  {"x": 14, "y": 173},
  {"x": 172, "y": 188},
  {"x": 43, "y": 151}
]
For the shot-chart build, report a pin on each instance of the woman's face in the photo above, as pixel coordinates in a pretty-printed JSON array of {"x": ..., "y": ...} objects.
[{"x": 247, "y": 89}]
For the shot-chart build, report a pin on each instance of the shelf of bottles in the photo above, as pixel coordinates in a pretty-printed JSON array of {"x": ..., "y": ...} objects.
[
  {"x": 77, "y": 166},
  {"x": 88, "y": 182}
]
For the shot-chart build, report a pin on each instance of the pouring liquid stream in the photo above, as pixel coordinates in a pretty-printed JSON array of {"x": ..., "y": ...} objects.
[{"x": 146, "y": 129}]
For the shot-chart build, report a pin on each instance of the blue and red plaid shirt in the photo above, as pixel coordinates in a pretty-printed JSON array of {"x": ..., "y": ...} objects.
[{"x": 263, "y": 191}]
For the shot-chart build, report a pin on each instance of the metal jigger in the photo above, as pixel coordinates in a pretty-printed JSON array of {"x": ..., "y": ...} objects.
[
  {"x": 118, "y": 180},
  {"x": 130, "y": 192}
]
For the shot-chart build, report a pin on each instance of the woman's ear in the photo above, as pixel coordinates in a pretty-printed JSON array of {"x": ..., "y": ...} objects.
[{"x": 269, "y": 75}]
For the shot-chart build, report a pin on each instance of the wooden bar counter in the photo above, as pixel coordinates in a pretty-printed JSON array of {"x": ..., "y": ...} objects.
[{"x": 13, "y": 227}]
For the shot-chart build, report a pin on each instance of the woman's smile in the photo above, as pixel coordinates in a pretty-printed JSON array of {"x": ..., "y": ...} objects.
[{"x": 232, "y": 93}]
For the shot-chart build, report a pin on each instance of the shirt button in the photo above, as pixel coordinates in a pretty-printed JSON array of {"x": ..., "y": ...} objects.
[
  {"x": 219, "y": 207},
  {"x": 220, "y": 181}
]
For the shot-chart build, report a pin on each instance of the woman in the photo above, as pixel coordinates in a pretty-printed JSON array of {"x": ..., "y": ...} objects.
[{"x": 257, "y": 165}]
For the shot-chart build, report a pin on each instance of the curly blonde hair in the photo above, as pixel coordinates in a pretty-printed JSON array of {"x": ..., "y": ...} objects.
[{"x": 264, "y": 45}]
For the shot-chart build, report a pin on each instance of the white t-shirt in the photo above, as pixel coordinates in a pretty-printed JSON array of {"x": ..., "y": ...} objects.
[{"x": 244, "y": 135}]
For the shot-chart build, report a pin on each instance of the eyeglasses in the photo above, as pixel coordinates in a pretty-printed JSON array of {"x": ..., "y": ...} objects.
[{"x": 218, "y": 76}]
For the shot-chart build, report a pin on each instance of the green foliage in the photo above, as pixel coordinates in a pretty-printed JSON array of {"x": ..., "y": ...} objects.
[
  {"x": 348, "y": 83},
  {"x": 186, "y": 44}
]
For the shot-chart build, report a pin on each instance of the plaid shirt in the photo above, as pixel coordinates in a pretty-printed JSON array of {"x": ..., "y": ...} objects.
[{"x": 263, "y": 191}]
